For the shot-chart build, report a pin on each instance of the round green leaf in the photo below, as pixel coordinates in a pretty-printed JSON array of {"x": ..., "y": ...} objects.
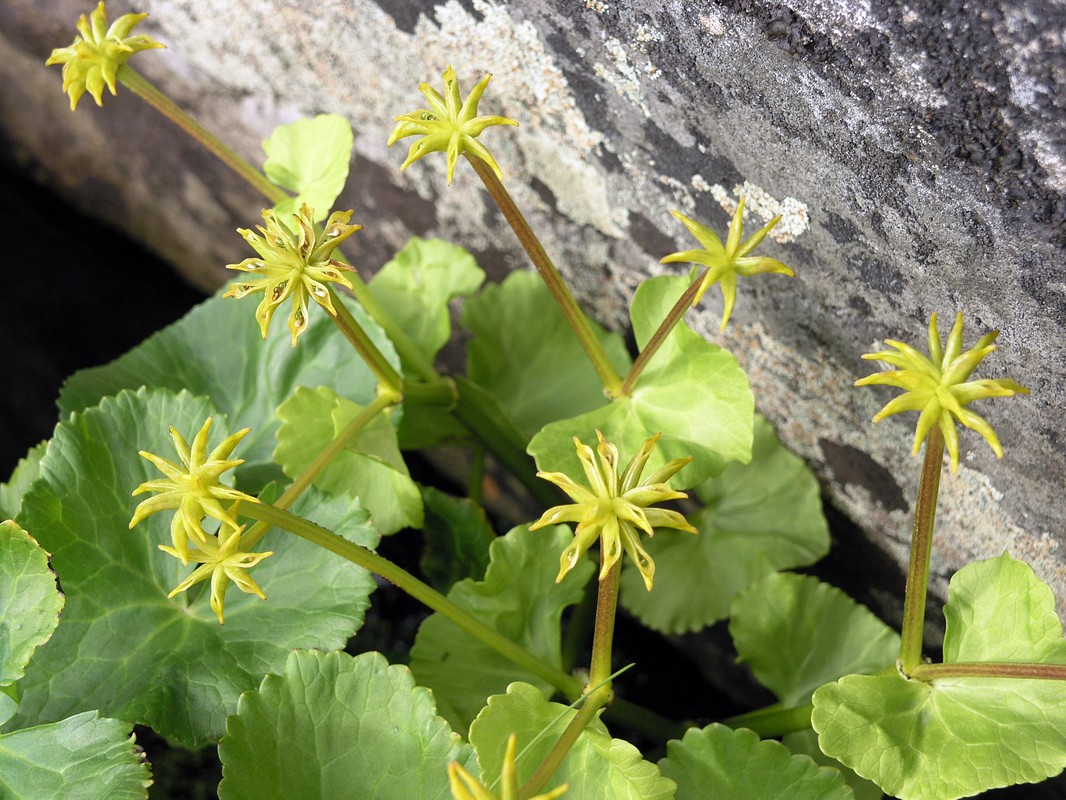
[
  {"x": 720, "y": 762},
  {"x": 310, "y": 157},
  {"x": 526, "y": 355},
  {"x": 336, "y": 726},
  {"x": 596, "y": 767},
  {"x": 85, "y": 757},
  {"x": 29, "y": 601},
  {"x": 797, "y": 633},
  {"x": 121, "y": 645},
  {"x": 692, "y": 392},
  {"x": 21, "y": 479},
  {"x": 519, "y": 598},
  {"x": 370, "y": 467},
  {"x": 216, "y": 350},
  {"x": 760, "y": 517},
  {"x": 419, "y": 282},
  {"x": 955, "y": 737}
]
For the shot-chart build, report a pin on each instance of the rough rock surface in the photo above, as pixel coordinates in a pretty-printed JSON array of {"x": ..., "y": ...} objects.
[{"x": 918, "y": 152}]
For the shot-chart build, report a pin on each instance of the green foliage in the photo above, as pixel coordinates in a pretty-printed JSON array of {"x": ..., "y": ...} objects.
[
  {"x": 797, "y": 633},
  {"x": 720, "y": 762},
  {"x": 331, "y": 725},
  {"x": 419, "y": 282},
  {"x": 21, "y": 479},
  {"x": 597, "y": 766},
  {"x": 458, "y": 536},
  {"x": 84, "y": 757},
  {"x": 216, "y": 350},
  {"x": 518, "y": 598},
  {"x": 310, "y": 157},
  {"x": 957, "y": 736},
  {"x": 759, "y": 517},
  {"x": 692, "y": 392},
  {"x": 526, "y": 356},
  {"x": 122, "y": 647},
  {"x": 369, "y": 468}
]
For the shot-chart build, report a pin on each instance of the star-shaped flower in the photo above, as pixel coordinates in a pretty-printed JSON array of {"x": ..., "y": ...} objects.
[
  {"x": 449, "y": 125},
  {"x": 937, "y": 386},
  {"x": 193, "y": 488},
  {"x": 294, "y": 264},
  {"x": 221, "y": 560},
  {"x": 465, "y": 786},
  {"x": 93, "y": 60},
  {"x": 615, "y": 508},
  {"x": 724, "y": 263}
]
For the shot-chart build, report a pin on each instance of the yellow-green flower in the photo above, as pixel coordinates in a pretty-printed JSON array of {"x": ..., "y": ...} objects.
[
  {"x": 449, "y": 125},
  {"x": 294, "y": 264},
  {"x": 193, "y": 488},
  {"x": 615, "y": 508},
  {"x": 465, "y": 786},
  {"x": 221, "y": 560},
  {"x": 937, "y": 386},
  {"x": 93, "y": 60},
  {"x": 724, "y": 263}
]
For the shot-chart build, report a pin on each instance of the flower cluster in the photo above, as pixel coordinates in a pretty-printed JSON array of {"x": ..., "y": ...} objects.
[
  {"x": 449, "y": 125},
  {"x": 615, "y": 507},
  {"x": 725, "y": 262},
  {"x": 96, "y": 55},
  {"x": 294, "y": 263},
  {"x": 939, "y": 388},
  {"x": 193, "y": 489}
]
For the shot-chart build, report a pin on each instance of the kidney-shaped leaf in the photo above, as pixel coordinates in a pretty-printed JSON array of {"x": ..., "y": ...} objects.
[
  {"x": 121, "y": 645},
  {"x": 797, "y": 633},
  {"x": 720, "y": 762},
  {"x": 760, "y": 517},
  {"x": 310, "y": 157},
  {"x": 520, "y": 599},
  {"x": 692, "y": 392},
  {"x": 958, "y": 736},
  {"x": 84, "y": 757},
  {"x": 216, "y": 350},
  {"x": 596, "y": 767},
  {"x": 336, "y": 726}
]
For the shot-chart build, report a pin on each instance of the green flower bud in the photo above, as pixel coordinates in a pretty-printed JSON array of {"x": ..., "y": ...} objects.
[
  {"x": 724, "y": 263},
  {"x": 614, "y": 508},
  {"x": 449, "y": 125},
  {"x": 93, "y": 60},
  {"x": 937, "y": 386}
]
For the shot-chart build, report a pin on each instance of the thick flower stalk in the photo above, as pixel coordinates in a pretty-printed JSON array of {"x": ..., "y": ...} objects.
[
  {"x": 449, "y": 125},
  {"x": 615, "y": 508},
  {"x": 293, "y": 263},
  {"x": 222, "y": 561},
  {"x": 939, "y": 388},
  {"x": 465, "y": 786},
  {"x": 725, "y": 262},
  {"x": 192, "y": 488},
  {"x": 97, "y": 54}
]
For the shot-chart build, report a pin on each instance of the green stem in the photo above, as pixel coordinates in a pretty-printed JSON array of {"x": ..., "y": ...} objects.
[
  {"x": 612, "y": 382},
  {"x": 774, "y": 721},
  {"x": 141, "y": 87},
  {"x": 910, "y": 650},
  {"x": 307, "y": 477},
  {"x": 990, "y": 669},
  {"x": 390, "y": 380},
  {"x": 279, "y": 518},
  {"x": 562, "y": 746},
  {"x": 603, "y": 633},
  {"x": 677, "y": 313}
]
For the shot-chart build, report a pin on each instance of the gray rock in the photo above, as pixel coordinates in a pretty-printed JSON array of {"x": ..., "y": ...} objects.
[{"x": 919, "y": 157}]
